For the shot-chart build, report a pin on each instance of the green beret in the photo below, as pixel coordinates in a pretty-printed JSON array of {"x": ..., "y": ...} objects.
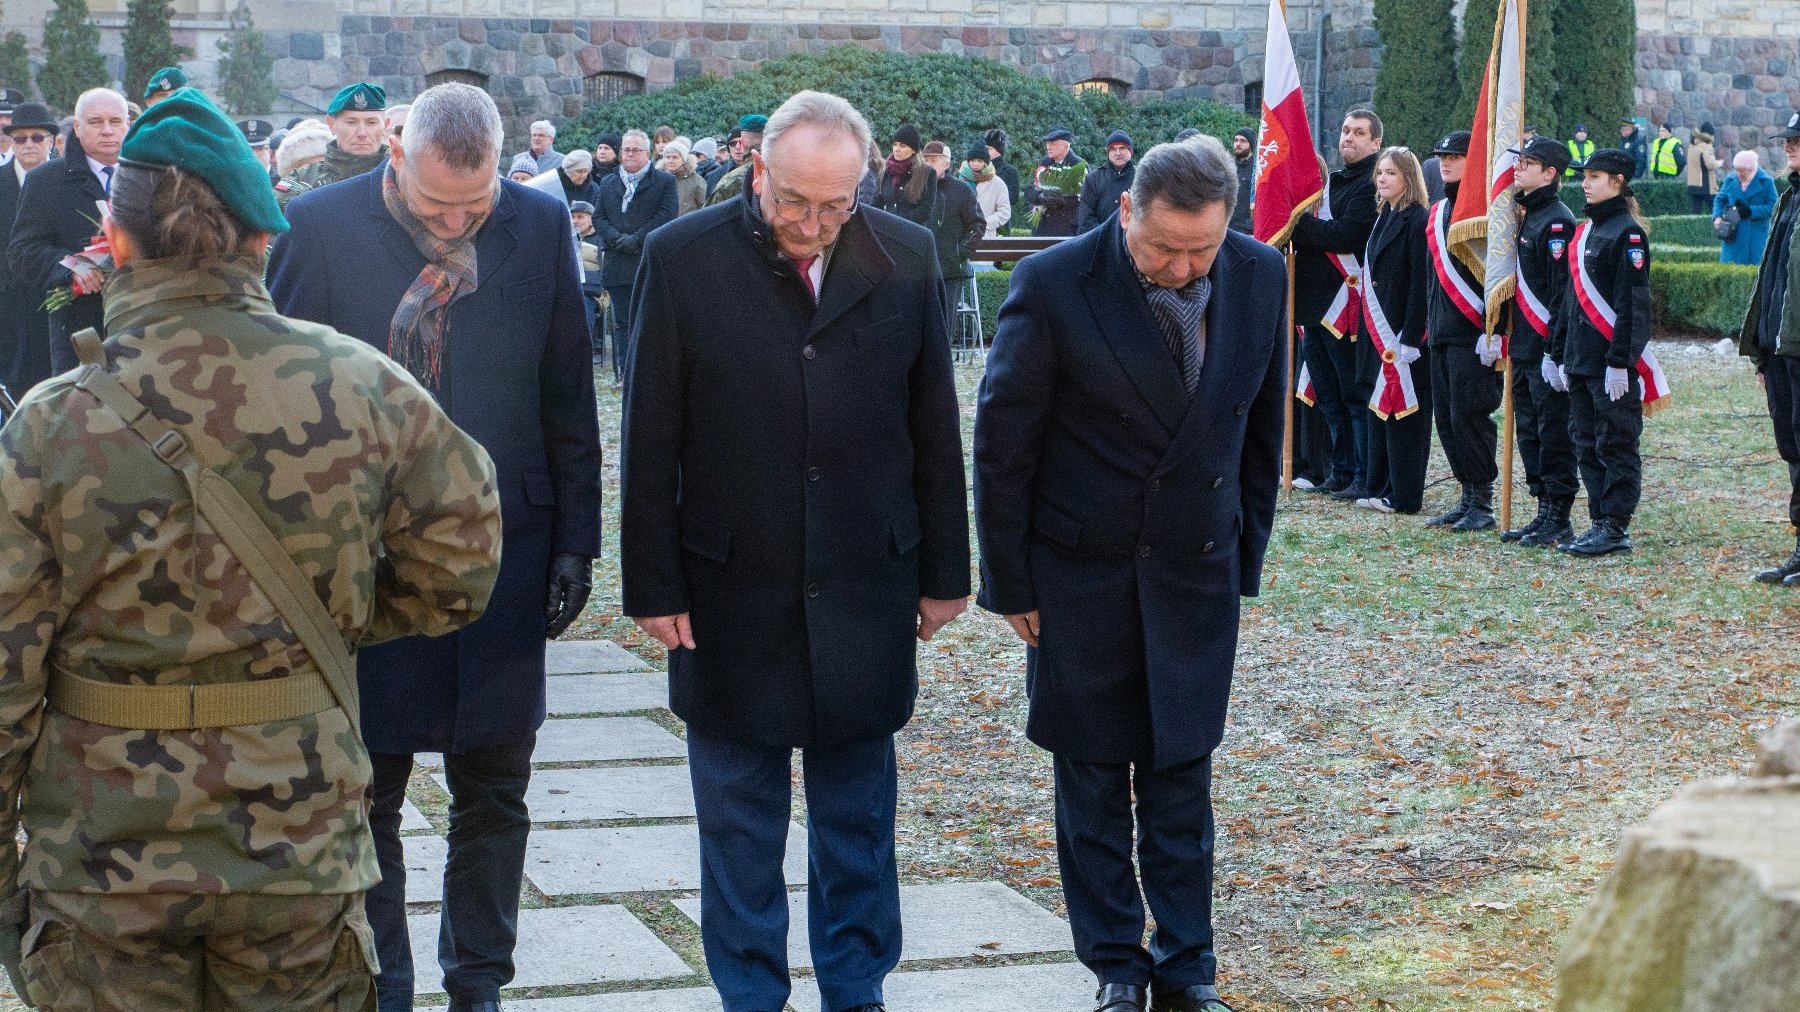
[
  {"x": 753, "y": 124},
  {"x": 166, "y": 79},
  {"x": 188, "y": 132},
  {"x": 359, "y": 97}
]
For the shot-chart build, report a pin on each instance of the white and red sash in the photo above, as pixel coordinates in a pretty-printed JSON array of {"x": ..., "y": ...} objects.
[
  {"x": 1468, "y": 301},
  {"x": 1346, "y": 308},
  {"x": 1601, "y": 314},
  {"x": 1531, "y": 308},
  {"x": 1394, "y": 395}
]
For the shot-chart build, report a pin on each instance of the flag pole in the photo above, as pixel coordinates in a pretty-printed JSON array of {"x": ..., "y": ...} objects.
[
  {"x": 1506, "y": 432},
  {"x": 1287, "y": 435}
]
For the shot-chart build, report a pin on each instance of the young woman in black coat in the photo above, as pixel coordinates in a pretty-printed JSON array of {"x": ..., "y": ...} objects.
[
  {"x": 1397, "y": 271},
  {"x": 908, "y": 186}
]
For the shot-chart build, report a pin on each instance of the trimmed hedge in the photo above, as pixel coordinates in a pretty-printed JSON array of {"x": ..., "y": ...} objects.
[
  {"x": 1671, "y": 254},
  {"x": 1682, "y": 230},
  {"x": 1659, "y": 198}
]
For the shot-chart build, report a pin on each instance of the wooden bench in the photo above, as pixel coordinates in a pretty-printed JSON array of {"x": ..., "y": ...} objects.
[{"x": 1012, "y": 248}]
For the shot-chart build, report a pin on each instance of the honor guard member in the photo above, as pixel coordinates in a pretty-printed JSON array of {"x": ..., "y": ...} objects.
[
  {"x": 1580, "y": 149},
  {"x": 1540, "y": 398},
  {"x": 358, "y": 140},
  {"x": 162, "y": 84},
  {"x": 1771, "y": 336},
  {"x": 258, "y": 132},
  {"x": 1604, "y": 332},
  {"x": 750, "y": 138},
  {"x": 1465, "y": 387},
  {"x": 199, "y": 525}
]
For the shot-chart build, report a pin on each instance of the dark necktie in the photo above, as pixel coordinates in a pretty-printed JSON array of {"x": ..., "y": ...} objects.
[
  {"x": 106, "y": 180},
  {"x": 804, "y": 266},
  {"x": 1181, "y": 312}
]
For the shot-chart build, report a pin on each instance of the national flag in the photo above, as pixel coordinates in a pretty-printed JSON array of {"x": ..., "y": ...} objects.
[
  {"x": 1288, "y": 180},
  {"x": 1484, "y": 230}
]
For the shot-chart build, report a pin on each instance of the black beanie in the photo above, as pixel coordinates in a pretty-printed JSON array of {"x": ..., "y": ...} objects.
[
  {"x": 996, "y": 139},
  {"x": 909, "y": 136}
]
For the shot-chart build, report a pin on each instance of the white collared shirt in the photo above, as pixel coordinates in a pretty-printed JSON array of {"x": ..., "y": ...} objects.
[{"x": 99, "y": 170}]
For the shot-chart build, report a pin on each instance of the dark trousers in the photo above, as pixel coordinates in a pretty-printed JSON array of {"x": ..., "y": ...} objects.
[
  {"x": 621, "y": 310},
  {"x": 953, "y": 296},
  {"x": 1541, "y": 427},
  {"x": 1699, "y": 201},
  {"x": 1315, "y": 456},
  {"x": 62, "y": 349},
  {"x": 1174, "y": 833},
  {"x": 1331, "y": 361},
  {"x": 1781, "y": 383},
  {"x": 1400, "y": 448},
  {"x": 1605, "y": 433},
  {"x": 479, "y": 918},
  {"x": 743, "y": 798},
  {"x": 1464, "y": 395}
]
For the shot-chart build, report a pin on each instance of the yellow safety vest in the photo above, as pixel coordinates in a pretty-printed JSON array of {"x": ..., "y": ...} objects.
[
  {"x": 1579, "y": 151},
  {"x": 1662, "y": 157}
]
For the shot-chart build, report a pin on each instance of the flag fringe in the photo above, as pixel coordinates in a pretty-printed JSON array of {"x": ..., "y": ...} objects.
[{"x": 1281, "y": 238}]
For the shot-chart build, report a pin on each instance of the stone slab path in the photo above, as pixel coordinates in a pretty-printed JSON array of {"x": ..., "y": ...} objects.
[{"x": 611, "y": 903}]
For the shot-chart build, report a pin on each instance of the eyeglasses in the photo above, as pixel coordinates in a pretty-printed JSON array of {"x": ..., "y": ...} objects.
[
  {"x": 794, "y": 210},
  {"x": 30, "y": 138},
  {"x": 635, "y": 151}
]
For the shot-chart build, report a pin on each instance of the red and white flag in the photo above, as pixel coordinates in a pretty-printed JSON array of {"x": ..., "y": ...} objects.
[
  {"x": 1288, "y": 180},
  {"x": 1484, "y": 231}
]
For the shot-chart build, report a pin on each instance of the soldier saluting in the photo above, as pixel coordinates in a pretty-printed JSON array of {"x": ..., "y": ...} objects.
[{"x": 195, "y": 528}]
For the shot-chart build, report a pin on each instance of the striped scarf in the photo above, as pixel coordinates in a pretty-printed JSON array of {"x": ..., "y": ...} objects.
[{"x": 417, "y": 338}]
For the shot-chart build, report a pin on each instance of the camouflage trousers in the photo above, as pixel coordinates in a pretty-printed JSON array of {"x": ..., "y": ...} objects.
[{"x": 179, "y": 952}]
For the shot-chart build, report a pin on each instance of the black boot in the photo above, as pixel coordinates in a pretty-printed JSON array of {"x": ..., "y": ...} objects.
[
  {"x": 1556, "y": 531},
  {"x": 1605, "y": 537},
  {"x": 1354, "y": 492},
  {"x": 1479, "y": 514},
  {"x": 1536, "y": 524},
  {"x": 1780, "y": 573},
  {"x": 1455, "y": 513}
]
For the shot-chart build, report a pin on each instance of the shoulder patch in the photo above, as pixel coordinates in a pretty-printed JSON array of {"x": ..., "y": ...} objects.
[
  {"x": 1635, "y": 236},
  {"x": 1556, "y": 226},
  {"x": 1637, "y": 257}
]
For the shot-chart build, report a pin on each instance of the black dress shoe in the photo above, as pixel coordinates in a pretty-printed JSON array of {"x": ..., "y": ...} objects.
[
  {"x": 1780, "y": 573},
  {"x": 1119, "y": 998},
  {"x": 1198, "y": 998},
  {"x": 1351, "y": 494},
  {"x": 1537, "y": 524},
  {"x": 1605, "y": 537}
]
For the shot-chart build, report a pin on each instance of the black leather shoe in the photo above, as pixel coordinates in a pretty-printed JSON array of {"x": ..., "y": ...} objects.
[
  {"x": 1119, "y": 998},
  {"x": 1536, "y": 524},
  {"x": 1781, "y": 573},
  {"x": 1351, "y": 494},
  {"x": 1454, "y": 514},
  {"x": 1337, "y": 483},
  {"x": 1605, "y": 537},
  {"x": 1199, "y": 998},
  {"x": 1479, "y": 514},
  {"x": 1556, "y": 531}
]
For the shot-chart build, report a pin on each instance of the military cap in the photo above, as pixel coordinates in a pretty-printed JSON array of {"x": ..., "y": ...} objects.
[
  {"x": 1627, "y": 121},
  {"x": 257, "y": 131},
  {"x": 359, "y": 97},
  {"x": 753, "y": 124},
  {"x": 9, "y": 100},
  {"x": 32, "y": 116},
  {"x": 1610, "y": 160},
  {"x": 1059, "y": 134},
  {"x": 1456, "y": 142},
  {"x": 580, "y": 207},
  {"x": 188, "y": 132},
  {"x": 1792, "y": 130},
  {"x": 1545, "y": 150},
  {"x": 166, "y": 79}
]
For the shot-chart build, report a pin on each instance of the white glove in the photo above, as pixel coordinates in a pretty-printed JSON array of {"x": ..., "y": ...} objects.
[
  {"x": 1562, "y": 375},
  {"x": 1488, "y": 349},
  {"x": 1408, "y": 354},
  {"x": 1553, "y": 376},
  {"x": 1617, "y": 382}
]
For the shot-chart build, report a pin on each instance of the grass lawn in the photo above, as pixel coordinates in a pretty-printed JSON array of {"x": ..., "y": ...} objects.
[{"x": 1435, "y": 741}]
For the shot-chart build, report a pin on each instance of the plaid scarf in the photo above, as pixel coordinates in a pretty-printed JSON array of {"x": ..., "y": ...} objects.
[{"x": 417, "y": 336}]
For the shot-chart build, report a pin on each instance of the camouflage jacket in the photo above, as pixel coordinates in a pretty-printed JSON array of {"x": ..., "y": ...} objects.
[
  {"x": 730, "y": 184},
  {"x": 106, "y": 572},
  {"x": 338, "y": 166}
]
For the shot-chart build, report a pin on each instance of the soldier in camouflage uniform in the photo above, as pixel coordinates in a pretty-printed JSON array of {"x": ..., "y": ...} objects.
[
  {"x": 186, "y": 864},
  {"x": 358, "y": 125},
  {"x": 732, "y": 183}
]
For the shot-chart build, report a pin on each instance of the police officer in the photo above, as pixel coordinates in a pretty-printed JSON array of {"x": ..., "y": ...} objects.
[
  {"x": 258, "y": 132},
  {"x": 1465, "y": 387},
  {"x": 358, "y": 142},
  {"x": 1604, "y": 330},
  {"x": 1540, "y": 400},
  {"x": 195, "y": 793},
  {"x": 1580, "y": 149},
  {"x": 162, "y": 84},
  {"x": 1631, "y": 141},
  {"x": 1668, "y": 157},
  {"x": 1771, "y": 336}
]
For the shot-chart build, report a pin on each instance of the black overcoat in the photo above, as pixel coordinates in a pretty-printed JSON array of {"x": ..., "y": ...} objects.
[
  {"x": 621, "y": 233},
  {"x": 58, "y": 215},
  {"x": 794, "y": 481},
  {"x": 1129, "y": 517},
  {"x": 518, "y": 376}
]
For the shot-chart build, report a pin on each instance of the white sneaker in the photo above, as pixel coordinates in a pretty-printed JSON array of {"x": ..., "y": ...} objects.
[
  {"x": 1383, "y": 505},
  {"x": 1303, "y": 485},
  {"x": 1367, "y": 504}
]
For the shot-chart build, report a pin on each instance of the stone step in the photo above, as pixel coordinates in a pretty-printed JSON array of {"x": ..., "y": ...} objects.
[
  {"x": 953, "y": 920},
  {"x": 593, "y": 739},
  {"x": 587, "y": 657},
  {"x": 615, "y": 693},
  {"x": 1051, "y": 987},
  {"x": 631, "y": 792},
  {"x": 564, "y": 862},
  {"x": 563, "y": 946},
  {"x": 687, "y": 999}
]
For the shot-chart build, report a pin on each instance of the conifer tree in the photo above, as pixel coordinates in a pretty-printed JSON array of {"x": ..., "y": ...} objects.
[
  {"x": 246, "y": 71},
  {"x": 72, "y": 60},
  {"x": 149, "y": 46},
  {"x": 1418, "y": 70}
]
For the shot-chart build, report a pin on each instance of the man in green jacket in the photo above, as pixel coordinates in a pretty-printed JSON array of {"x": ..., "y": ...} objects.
[{"x": 358, "y": 143}]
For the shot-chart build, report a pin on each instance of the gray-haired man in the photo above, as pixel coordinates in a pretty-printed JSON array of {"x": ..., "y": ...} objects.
[{"x": 1127, "y": 450}]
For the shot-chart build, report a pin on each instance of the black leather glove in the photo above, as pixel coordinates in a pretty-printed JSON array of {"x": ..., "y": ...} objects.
[
  {"x": 571, "y": 580},
  {"x": 1743, "y": 210},
  {"x": 627, "y": 245}
]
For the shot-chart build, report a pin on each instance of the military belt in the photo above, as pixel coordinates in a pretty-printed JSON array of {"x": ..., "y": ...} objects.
[{"x": 189, "y": 707}]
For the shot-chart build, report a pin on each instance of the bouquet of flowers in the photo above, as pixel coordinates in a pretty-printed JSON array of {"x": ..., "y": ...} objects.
[
  {"x": 1064, "y": 182},
  {"x": 90, "y": 268}
]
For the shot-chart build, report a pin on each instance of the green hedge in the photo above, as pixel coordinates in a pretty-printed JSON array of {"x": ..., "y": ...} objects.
[
  {"x": 1682, "y": 230},
  {"x": 1659, "y": 198},
  {"x": 1672, "y": 254},
  {"x": 1710, "y": 298},
  {"x": 993, "y": 286}
]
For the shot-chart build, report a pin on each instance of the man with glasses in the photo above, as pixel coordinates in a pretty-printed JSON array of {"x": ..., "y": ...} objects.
[
  {"x": 23, "y": 363},
  {"x": 59, "y": 214},
  {"x": 635, "y": 200},
  {"x": 793, "y": 521}
]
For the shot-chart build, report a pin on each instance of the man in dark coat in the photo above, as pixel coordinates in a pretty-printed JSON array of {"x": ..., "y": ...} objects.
[
  {"x": 59, "y": 214},
  {"x": 1127, "y": 452},
  {"x": 511, "y": 362},
  {"x": 793, "y": 515},
  {"x": 1060, "y": 208},
  {"x": 996, "y": 141},
  {"x": 1631, "y": 141},
  {"x": 957, "y": 224},
  {"x": 1243, "y": 151},
  {"x": 24, "y": 352},
  {"x": 1105, "y": 182},
  {"x": 636, "y": 199}
]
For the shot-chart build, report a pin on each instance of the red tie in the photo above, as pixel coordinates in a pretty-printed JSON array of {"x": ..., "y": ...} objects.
[{"x": 804, "y": 266}]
